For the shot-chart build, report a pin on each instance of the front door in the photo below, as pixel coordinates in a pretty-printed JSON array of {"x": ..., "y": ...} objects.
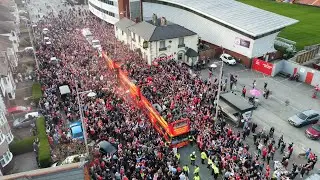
[{"x": 309, "y": 77}]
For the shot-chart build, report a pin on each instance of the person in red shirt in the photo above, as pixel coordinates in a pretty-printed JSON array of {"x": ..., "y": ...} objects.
[{"x": 244, "y": 91}]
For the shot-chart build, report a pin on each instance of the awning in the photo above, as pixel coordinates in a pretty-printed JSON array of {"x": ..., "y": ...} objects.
[
  {"x": 191, "y": 53},
  {"x": 64, "y": 89}
]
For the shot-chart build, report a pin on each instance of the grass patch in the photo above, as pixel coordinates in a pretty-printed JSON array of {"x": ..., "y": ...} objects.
[
  {"x": 22, "y": 146},
  {"x": 306, "y": 31},
  {"x": 44, "y": 155},
  {"x": 36, "y": 92}
]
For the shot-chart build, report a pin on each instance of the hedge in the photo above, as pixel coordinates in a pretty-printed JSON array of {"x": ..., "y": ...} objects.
[
  {"x": 22, "y": 146},
  {"x": 44, "y": 155},
  {"x": 36, "y": 92}
]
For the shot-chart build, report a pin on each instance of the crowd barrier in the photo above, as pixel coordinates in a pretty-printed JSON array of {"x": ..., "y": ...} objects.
[{"x": 173, "y": 129}]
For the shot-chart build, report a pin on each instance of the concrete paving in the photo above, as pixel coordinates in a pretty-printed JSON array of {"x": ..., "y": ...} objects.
[
  {"x": 273, "y": 111},
  {"x": 24, "y": 162}
]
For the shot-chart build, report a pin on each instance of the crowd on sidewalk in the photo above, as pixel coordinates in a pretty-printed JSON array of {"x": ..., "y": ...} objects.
[{"x": 110, "y": 115}]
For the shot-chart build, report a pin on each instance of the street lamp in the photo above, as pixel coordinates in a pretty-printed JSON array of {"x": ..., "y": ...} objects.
[
  {"x": 89, "y": 93},
  {"x": 219, "y": 89}
]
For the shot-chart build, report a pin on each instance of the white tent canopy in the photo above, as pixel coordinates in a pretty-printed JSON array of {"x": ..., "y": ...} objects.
[{"x": 64, "y": 90}]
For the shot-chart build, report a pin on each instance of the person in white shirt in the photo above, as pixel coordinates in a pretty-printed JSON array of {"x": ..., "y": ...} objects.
[{"x": 182, "y": 176}]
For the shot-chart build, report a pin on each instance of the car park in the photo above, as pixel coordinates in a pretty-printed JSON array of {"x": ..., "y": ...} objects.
[
  {"x": 304, "y": 118},
  {"x": 313, "y": 132},
  {"x": 228, "y": 59}
]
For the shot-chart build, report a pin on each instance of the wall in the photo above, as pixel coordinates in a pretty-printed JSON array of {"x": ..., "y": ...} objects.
[
  {"x": 264, "y": 45},
  {"x": 277, "y": 67},
  {"x": 103, "y": 16},
  {"x": 289, "y": 67},
  {"x": 210, "y": 31}
]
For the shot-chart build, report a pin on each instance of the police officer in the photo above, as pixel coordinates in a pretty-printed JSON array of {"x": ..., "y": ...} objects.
[
  {"x": 186, "y": 170},
  {"x": 191, "y": 139},
  {"x": 196, "y": 177},
  {"x": 196, "y": 170},
  {"x": 193, "y": 158},
  {"x": 203, "y": 156},
  {"x": 178, "y": 157},
  {"x": 209, "y": 162}
]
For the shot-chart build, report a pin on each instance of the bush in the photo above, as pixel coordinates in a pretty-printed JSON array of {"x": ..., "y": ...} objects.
[
  {"x": 22, "y": 146},
  {"x": 44, "y": 155},
  {"x": 36, "y": 92}
]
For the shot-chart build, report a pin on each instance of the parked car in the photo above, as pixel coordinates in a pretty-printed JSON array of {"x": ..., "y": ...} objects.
[
  {"x": 228, "y": 59},
  {"x": 18, "y": 109},
  {"x": 70, "y": 159},
  {"x": 304, "y": 118},
  {"x": 313, "y": 132},
  {"x": 76, "y": 130},
  {"x": 26, "y": 121},
  {"x": 106, "y": 147}
]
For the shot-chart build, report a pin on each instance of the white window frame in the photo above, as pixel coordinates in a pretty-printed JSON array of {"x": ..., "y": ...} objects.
[
  {"x": 9, "y": 137},
  {"x": 2, "y": 118},
  {"x": 181, "y": 41},
  {"x": 162, "y": 44},
  {"x": 6, "y": 158}
]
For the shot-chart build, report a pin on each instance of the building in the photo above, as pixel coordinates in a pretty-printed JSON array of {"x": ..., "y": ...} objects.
[
  {"x": 159, "y": 39},
  {"x": 112, "y": 11},
  {"x": 7, "y": 62},
  {"x": 241, "y": 30},
  {"x": 6, "y": 137}
]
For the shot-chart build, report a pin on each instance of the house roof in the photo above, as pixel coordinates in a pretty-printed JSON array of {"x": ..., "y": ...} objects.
[
  {"x": 7, "y": 27},
  {"x": 4, "y": 67},
  {"x": 4, "y": 43},
  {"x": 191, "y": 53},
  {"x": 6, "y": 8},
  {"x": 6, "y": 16},
  {"x": 150, "y": 32},
  {"x": 124, "y": 23},
  {"x": 245, "y": 18}
]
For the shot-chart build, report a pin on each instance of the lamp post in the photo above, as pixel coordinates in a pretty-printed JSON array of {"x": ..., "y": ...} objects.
[
  {"x": 219, "y": 90},
  {"x": 89, "y": 94}
]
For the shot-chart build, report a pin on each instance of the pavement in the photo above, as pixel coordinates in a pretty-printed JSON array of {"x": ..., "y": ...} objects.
[{"x": 24, "y": 162}]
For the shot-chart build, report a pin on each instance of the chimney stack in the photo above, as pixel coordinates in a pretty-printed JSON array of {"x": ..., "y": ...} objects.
[
  {"x": 163, "y": 21},
  {"x": 154, "y": 19}
]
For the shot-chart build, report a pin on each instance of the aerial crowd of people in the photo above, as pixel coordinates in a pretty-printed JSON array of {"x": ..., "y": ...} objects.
[{"x": 110, "y": 115}]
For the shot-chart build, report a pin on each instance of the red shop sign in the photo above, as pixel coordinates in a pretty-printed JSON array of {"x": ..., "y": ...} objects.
[{"x": 262, "y": 66}]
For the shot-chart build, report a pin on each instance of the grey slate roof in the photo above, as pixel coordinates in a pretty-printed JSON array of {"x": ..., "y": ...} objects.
[
  {"x": 124, "y": 23},
  {"x": 191, "y": 53},
  {"x": 150, "y": 32},
  {"x": 143, "y": 29},
  {"x": 4, "y": 43},
  {"x": 4, "y": 67},
  {"x": 7, "y": 27},
  {"x": 6, "y": 8},
  {"x": 6, "y": 16}
]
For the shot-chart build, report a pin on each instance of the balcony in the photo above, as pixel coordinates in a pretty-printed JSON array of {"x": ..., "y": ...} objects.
[
  {"x": 181, "y": 45},
  {"x": 163, "y": 49}
]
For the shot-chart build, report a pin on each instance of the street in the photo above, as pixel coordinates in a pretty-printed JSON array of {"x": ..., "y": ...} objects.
[{"x": 273, "y": 111}]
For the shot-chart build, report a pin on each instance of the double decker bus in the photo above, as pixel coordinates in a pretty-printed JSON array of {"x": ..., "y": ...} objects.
[{"x": 175, "y": 133}]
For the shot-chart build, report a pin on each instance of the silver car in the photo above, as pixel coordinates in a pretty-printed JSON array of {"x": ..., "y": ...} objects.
[{"x": 304, "y": 118}]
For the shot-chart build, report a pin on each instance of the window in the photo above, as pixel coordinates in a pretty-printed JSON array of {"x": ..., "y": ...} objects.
[
  {"x": 181, "y": 41},
  {"x": 162, "y": 44},
  {"x": 122, "y": 32},
  {"x": 180, "y": 56},
  {"x": 9, "y": 137},
  {"x": 6, "y": 158},
  {"x": 107, "y": 2},
  {"x": 102, "y": 10},
  {"x": 2, "y": 118},
  {"x": 134, "y": 37},
  {"x": 139, "y": 39}
]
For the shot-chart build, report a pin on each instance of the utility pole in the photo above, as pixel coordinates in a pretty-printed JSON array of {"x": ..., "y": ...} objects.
[{"x": 219, "y": 91}]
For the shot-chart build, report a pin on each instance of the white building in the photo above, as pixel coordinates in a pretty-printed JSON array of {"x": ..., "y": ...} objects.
[
  {"x": 159, "y": 39},
  {"x": 113, "y": 10},
  {"x": 7, "y": 84},
  {"x": 229, "y": 24}
]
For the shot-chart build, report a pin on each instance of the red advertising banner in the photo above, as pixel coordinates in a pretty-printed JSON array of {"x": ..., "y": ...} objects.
[{"x": 262, "y": 66}]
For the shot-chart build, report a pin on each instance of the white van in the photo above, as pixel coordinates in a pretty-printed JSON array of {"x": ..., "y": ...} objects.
[
  {"x": 96, "y": 44},
  {"x": 87, "y": 33}
]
